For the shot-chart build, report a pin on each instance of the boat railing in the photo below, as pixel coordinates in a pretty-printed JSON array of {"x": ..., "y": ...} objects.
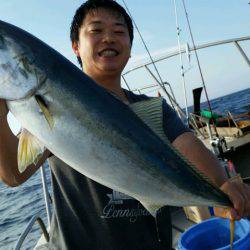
[
  {"x": 200, "y": 125},
  {"x": 185, "y": 48},
  {"x": 230, "y": 116},
  {"x": 175, "y": 52},
  {"x": 33, "y": 220},
  {"x": 37, "y": 217},
  {"x": 46, "y": 194},
  {"x": 207, "y": 130}
]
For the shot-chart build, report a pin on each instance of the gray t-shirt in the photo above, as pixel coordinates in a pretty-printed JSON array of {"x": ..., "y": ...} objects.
[{"x": 88, "y": 215}]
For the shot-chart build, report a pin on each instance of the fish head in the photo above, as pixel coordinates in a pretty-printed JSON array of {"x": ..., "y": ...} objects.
[{"x": 19, "y": 77}]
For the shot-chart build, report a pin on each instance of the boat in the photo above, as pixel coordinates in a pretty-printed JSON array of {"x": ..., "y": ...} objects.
[{"x": 228, "y": 137}]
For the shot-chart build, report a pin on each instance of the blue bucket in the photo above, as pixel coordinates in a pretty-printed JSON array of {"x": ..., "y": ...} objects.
[{"x": 215, "y": 234}]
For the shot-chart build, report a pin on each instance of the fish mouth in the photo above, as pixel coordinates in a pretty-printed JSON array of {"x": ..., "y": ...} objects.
[
  {"x": 18, "y": 73},
  {"x": 20, "y": 76}
]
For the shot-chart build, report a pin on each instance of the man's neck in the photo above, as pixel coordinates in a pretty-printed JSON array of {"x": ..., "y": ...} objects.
[{"x": 113, "y": 85}]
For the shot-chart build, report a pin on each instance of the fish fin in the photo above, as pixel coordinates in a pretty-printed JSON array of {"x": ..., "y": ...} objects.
[
  {"x": 151, "y": 113},
  {"x": 44, "y": 108},
  {"x": 30, "y": 150},
  {"x": 152, "y": 208}
]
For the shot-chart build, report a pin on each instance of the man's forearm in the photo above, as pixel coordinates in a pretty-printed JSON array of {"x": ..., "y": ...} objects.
[
  {"x": 8, "y": 153},
  {"x": 195, "y": 151},
  {"x": 9, "y": 172}
]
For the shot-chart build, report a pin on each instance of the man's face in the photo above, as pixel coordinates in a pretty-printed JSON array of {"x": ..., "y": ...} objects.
[{"x": 104, "y": 44}]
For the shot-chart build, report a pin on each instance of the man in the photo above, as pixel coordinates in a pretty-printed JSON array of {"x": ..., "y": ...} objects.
[{"x": 86, "y": 214}]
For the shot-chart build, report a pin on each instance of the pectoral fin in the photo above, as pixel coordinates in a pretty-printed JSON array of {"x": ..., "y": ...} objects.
[
  {"x": 30, "y": 150},
  {"x": 44, "y": 108},
  {"x": 152, "y": 208}
]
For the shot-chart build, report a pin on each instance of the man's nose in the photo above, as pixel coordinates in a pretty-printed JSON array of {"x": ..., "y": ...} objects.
[{"x": 109, "y": 37}]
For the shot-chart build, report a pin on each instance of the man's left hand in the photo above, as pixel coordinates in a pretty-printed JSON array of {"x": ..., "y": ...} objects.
[{"x": 239, "y": 194}]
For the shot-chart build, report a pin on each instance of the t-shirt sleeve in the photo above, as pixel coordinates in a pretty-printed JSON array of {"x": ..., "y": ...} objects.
[{"x": 172, "y": 124}]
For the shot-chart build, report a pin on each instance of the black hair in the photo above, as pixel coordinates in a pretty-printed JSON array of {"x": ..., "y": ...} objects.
[{"x": 91, "y": 5}]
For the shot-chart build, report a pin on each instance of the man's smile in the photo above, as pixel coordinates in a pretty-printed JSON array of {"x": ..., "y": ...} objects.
[{"x": 108, "y": 53}]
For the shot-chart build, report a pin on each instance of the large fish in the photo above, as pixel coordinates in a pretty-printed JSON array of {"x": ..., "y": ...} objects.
[{"x": 91, "y": 130}]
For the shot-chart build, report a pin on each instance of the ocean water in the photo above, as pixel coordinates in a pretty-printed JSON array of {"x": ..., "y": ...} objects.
[
  {"x": 19, "y": 204},
  {"x": 236, "y": 103}
]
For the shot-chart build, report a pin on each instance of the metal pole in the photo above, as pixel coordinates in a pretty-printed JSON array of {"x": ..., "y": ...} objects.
[
  {"x": 181, "y": 62},
  {"x": 171, "y": 99},
  {"x": 46, "y": 194},
  {"x": 163, "y": 88},
  {"x": 199, "y": 66},
  {"x": 126, "y": 82},
  {"x": 188, "y": 49},
  {"x": 28, "y": 228},
  {"x": 242, "y": 53},
  {"x": 144, "y": 43}
]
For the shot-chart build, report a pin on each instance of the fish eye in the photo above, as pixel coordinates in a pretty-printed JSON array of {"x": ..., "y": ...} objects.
[
  {"x": 25, "y": 64},
  {"x": 23, "y": 67}
]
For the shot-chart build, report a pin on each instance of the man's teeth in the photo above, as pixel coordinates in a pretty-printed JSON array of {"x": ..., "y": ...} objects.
[{"x": 108, "y": 53}]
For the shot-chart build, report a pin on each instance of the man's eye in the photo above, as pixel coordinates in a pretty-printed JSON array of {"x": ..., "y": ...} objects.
[
  {"x": 95, "y": 30},
  {"x": 119, "y": 32}
]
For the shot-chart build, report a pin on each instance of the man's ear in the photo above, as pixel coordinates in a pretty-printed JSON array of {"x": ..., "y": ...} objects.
[{"x": 75, "y": 48}]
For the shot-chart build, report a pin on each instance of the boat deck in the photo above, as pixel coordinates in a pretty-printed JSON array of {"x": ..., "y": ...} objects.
[{"x": 180, "y": 224}]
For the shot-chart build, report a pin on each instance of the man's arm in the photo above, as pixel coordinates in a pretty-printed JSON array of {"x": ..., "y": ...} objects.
[
  {"x": 9, "y": 173},
  {"x": 194, "y": 150}
]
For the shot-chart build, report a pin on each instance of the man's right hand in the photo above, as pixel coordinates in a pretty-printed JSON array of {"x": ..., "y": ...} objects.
[{"x": 3, "y": 108}]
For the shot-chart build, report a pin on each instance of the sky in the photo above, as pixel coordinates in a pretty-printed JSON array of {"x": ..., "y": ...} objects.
[{"x": 211, "y": 20}]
